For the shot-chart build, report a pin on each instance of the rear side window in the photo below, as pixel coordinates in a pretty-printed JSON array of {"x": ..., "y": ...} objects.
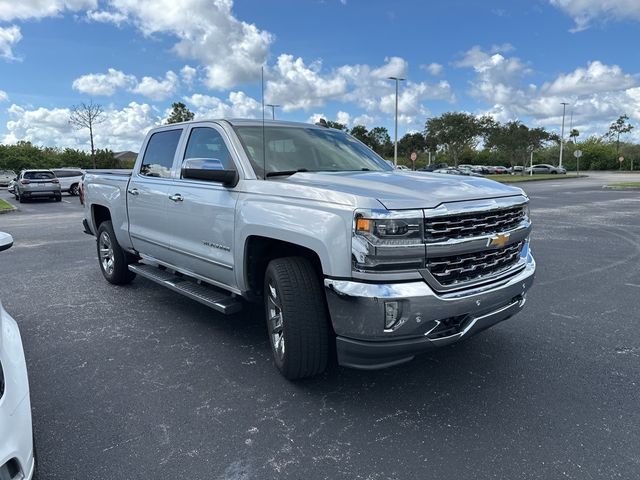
[
  {"x": 67, "y": 173},
  {"x": 158, "y": 157}
]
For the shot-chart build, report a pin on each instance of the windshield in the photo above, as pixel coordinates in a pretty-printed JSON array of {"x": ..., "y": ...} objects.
[{"x": 291, "y": 149}]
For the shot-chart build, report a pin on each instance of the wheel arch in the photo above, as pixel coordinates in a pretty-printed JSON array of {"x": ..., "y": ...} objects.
[{"x": 259, "y": 251}]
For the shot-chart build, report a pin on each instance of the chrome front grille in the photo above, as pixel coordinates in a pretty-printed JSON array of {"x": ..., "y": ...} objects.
[
  {"x": 470, "y": 267},
  {"x": 475, "y": 224}
]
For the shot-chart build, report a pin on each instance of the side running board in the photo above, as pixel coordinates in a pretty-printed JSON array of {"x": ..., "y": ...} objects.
[{"x": 209, "y": 296}]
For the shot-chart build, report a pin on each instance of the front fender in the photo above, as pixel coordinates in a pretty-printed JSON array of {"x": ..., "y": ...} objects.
[{"x": 323, "y": 228}]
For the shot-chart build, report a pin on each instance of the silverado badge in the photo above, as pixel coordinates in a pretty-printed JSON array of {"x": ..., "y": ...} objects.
[{"x": 499, "y": 240}]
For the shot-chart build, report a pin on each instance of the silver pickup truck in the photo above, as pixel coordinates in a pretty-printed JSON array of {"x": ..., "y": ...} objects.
[{"x": 348, "y": 256}]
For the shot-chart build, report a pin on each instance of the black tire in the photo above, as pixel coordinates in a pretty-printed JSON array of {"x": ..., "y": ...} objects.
[
  {"x": 20, "y": 198},
  {"x": 58, "y": 198},
  {"x": 74, "y": 190},
  {"x": 294, "y": 299},
  {"x": 113, "y": 260},
  {"x": 554, "y": 172}
]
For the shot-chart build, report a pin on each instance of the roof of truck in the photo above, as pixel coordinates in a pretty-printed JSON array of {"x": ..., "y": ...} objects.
[{"x": 251, "y": 122}]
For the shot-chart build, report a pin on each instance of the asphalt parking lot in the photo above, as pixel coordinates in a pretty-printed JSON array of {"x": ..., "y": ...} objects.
[{"x": 137, "y": 382}]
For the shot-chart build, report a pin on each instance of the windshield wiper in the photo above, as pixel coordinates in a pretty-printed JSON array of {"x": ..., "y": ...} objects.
[{"x": 285, "y": 172}]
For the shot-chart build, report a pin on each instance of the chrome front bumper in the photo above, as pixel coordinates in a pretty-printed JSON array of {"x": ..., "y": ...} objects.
[{"x": 358, "y": 315}]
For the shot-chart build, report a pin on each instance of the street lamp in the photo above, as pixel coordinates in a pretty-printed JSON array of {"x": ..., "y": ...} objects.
[
  {"x": 564, "y": 107},
  {"x": 273, "y": 110},
  {"x": 395, "y": 143}
]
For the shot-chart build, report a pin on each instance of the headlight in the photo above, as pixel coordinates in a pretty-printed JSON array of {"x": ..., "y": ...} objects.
[{"x": 387, "y": 241}]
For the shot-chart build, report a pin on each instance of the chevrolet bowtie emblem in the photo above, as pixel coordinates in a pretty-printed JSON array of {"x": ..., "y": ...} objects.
[{"x": 499, "y": 241}]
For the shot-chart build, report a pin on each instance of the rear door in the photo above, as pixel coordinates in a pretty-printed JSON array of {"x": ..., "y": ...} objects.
[
  {"x": 147, "y": 194},
  {"x": 202, "y": 213}
]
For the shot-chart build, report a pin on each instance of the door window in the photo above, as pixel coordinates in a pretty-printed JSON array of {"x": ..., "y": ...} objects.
[
  {"x": 158, "y": 157},
  {"x": 205, "y": 142}
]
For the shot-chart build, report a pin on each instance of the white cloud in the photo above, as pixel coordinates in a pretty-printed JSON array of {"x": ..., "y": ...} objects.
[
  {"x": 298, "y": 86},
  {"x": 316, "y": 117},
  {"x": 103, "y": 84},
  {"x": 433, "y": 68},
  {"x": 231, "y": 51},
  {"x": 36, "y": 9},
  {"x": 158, "y": 89},
  {"x": 9, "y": 36},
  {"x": 122, "y": 129},
  {"x": 585, "y": 12},
  {"x": 366, "y": 120},
  {"x": 3, "y": 96},
  {"x": 596, "y": 95},
  {"x": 393, "y": 67},
  {"x": 344, "y": 118},
  {"x": 188, "y": 74},
  {"x": 238, "y": 104},
  {"x": 597, "y": 77},
  {"x": 104, "y": 16}
]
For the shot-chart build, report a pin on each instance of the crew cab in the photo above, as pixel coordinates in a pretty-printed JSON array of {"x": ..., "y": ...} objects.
[{"x": 341, "y": 249}]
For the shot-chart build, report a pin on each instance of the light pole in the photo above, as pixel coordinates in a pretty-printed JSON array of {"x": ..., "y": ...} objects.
[
  {"x": 395, "y": 143},
  {"x": 273, "y": 110},
  {"x": 564, "y": 107}
]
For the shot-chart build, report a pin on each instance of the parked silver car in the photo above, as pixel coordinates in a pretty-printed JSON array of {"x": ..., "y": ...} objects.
[
  {"x": 6, "y": 176},
  {"x": 69, "y": 179},
  {"x": 545, "y": 168},
  {"x": 37, "y": 184}
]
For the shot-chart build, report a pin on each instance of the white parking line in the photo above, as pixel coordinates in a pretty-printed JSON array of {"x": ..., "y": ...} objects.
[{"x": 66, "y": 201}]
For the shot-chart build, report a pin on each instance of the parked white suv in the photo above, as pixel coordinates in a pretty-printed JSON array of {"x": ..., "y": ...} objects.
[{"x": 69, "y": 179}]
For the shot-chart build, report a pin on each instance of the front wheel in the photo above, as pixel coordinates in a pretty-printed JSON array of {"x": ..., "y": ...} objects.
[
  {"x": 297, "y": 318},
  {"x": 113, "y": 259},
  {"x": 74, "y": 190}
]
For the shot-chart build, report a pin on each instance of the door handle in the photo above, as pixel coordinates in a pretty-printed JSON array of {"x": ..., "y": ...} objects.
[
  {"x": 133, "y": 191},
  {"x": 176, "y": 197}
]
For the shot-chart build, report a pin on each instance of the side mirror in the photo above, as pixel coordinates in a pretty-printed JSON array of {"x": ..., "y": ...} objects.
[
  {"x": 6, "y": 241},
  {"x": 209, "y": 169}
]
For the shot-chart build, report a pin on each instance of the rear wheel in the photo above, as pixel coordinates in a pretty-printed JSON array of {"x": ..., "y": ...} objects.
[
  {"x": 113, "y": 259},
  {"x": 58, "y": 197},
  {"x": 297, "y": 318}
]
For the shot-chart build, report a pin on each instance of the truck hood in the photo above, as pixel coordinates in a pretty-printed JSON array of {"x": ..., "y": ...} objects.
[{"x": 406, "y": 190}]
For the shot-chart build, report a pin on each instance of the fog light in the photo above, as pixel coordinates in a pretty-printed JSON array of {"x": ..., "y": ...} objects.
[{"x": 391, "y": 314}]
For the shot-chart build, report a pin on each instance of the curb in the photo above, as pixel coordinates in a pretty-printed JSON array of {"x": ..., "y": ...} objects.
[{"x": 8, "y": 210}]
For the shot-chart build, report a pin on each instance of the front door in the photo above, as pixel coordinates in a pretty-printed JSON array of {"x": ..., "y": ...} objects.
[{"x": 202, "y": 213}]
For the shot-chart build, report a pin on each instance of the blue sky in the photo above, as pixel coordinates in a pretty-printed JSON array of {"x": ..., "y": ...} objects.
[{"x": 511, "y": 59}]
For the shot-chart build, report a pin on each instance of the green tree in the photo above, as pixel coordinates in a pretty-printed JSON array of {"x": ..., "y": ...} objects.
[
  {"x": 380, "y": 141},
  {"x": 574, "y": 134},
  {"x": 515, "y": 141},
  {"x": 617, "y": 128},
  {"x": 361, "y": 133},
  {"x": 336, "y": 125},
  {"x": 87, "y": 116},
  {"x": 180, "y": 113},
  {"x": 411, "y": 142},
  {"x": 455, "y": 132}
]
